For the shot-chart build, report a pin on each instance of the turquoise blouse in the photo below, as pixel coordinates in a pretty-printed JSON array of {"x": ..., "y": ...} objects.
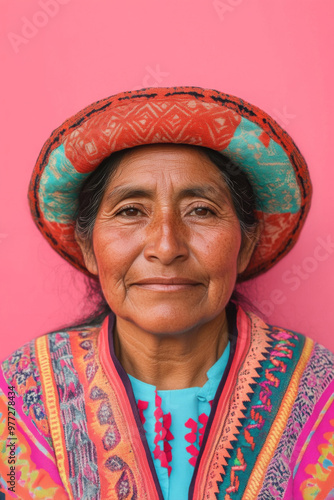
[{"x": 174, "y": 422}]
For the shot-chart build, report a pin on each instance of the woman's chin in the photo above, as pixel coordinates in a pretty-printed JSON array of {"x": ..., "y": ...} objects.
[
  {"x": 171, "y": 314},
  {"x": 162, "y": 326},
  {"x": 167, "y": 319}
]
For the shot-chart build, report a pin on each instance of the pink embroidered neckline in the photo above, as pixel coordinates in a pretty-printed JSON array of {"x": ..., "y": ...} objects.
[
  {"x": 163, "y": 449},
  {"x": 162, "y": 433}
]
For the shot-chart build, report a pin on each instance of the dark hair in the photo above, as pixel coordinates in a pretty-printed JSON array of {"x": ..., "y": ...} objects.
[
  {"x": 91, "y": 195},
  {"x": 242, "y": 193}
]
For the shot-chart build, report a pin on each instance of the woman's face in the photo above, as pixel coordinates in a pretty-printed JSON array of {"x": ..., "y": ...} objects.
[{"x": 166, "y": 242}]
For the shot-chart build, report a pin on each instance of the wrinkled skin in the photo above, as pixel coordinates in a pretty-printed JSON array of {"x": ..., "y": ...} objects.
[{"x": 167, "y": 214}]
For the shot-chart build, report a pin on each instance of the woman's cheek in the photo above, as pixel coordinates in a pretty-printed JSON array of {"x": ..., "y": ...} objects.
[{"x": 115, "y": 262}]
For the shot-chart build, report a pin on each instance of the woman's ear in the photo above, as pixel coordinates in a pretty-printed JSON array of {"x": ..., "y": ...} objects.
[
  {"x": 87, "y": 251},
  {"x": 247, "y": 248}
]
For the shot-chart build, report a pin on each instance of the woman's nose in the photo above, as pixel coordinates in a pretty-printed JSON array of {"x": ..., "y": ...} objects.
[{"x": 166, "y": 239}]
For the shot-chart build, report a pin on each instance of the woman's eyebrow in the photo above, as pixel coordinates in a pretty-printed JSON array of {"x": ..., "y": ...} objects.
[
  {"x": 122, "y": 192},
  {"x": 202, "y": 191}
]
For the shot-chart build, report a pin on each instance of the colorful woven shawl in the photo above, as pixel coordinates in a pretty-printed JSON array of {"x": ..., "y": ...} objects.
[{"x": 75, "y": 432}]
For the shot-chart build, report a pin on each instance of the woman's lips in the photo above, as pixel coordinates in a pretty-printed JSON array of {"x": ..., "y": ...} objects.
[{"x": 166, "y": 284}]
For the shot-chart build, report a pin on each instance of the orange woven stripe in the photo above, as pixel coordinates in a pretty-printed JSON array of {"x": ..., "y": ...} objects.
[{"x": 133, "y": 446}]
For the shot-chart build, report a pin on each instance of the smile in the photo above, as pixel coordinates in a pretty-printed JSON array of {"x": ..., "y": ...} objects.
[
  {"x": 166, "y": 284},
  {"x": 163, "y": 287}
]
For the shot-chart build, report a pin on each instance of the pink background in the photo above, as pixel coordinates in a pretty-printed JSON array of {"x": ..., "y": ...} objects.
[{"x": 61, "y": 55}]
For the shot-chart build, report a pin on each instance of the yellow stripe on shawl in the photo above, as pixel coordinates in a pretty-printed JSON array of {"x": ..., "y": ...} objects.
[
  {"x": 51, "y": 398},
  {"x": 256, "y": 478}
]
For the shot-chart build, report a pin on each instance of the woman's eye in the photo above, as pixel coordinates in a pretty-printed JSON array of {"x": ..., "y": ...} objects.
[
  {"x": 202, "y": 211},
  {"x": 129, "y": 212}
]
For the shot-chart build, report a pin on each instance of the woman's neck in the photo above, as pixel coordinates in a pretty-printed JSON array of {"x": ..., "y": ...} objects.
[{"x": 170, "y": 361}]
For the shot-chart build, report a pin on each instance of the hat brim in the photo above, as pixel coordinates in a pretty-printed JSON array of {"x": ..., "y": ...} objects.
[{"x": 182, "y": 115}]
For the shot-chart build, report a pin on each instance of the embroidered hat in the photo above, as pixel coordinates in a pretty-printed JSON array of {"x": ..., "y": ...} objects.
[{"x": 183, "y": 115}]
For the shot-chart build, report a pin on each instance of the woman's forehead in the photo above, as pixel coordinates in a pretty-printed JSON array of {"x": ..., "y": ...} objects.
[{"x": 166, "y": 163}]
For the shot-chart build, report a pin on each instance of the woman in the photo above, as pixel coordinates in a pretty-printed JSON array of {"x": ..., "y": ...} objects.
[{"x": 166, "y": 198}]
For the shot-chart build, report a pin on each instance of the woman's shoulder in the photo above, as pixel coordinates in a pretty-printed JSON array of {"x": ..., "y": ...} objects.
[
  {"x": 28, "y": 392},
  {"x": 22, "y": 370},
  {"x": 23, "y": 362},
  {"x": 286, "y": 339},
  {"x": 293, "y": 357}
]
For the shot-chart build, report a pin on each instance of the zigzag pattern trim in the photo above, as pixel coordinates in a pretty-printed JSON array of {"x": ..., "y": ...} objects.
[
  {"x": 256, "y": 478},
  {"x": 229, "y": 421}
]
